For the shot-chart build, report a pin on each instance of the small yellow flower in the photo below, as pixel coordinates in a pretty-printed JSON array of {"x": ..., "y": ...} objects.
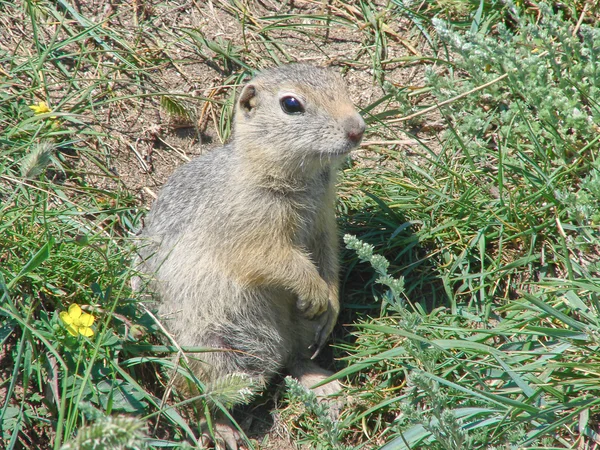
[
  {"x": 40, "y": 108},
  {"x": 77, "y": 322}
]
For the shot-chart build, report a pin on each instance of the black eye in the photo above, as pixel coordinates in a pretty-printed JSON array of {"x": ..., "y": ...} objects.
[{"x": 291, "y": 105}]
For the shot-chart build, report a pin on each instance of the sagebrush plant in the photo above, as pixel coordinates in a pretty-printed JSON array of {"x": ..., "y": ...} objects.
[
  {"x": 552, "y": 78},
  {"x": 548, "y": 106},
  {"x": 393, "y": 296}
]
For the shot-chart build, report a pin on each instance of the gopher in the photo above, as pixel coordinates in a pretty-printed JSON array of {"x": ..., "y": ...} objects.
[{"x": 242, "y": 241}]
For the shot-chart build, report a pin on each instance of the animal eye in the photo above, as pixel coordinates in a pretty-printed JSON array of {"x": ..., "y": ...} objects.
[{"x": 291, "y": 105}]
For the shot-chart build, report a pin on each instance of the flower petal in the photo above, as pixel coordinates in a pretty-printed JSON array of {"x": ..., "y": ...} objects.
[
  {"x": 65, "y": 317},
  {"x": 86, "y": 331},
  {"x": 40, "y": 108},
  {"x": 74, "y": 311},
  {"x": 86, "y": 320},
  {"x": 72, "y": 330}
]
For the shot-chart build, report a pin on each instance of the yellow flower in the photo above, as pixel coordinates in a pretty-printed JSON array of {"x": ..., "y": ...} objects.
[
  {"x": 40, "y": 108},
  {"x": 77, "y": 322}
]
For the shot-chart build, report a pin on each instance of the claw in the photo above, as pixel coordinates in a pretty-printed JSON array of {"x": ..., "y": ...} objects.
[
  {"x": 320, "y": 339},
  {"x": 317, "y": 351},
  {"x": 321, "y": 334}
]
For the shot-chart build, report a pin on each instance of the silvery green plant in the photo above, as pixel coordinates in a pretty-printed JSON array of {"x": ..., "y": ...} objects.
[
  {"x": 393, "y": 296},
  {"x": 434, "y": 414},
  {"x": 539, "y": 124},
  {"x": 330, "y": 431},
  {"x": 550, "y": 94}
]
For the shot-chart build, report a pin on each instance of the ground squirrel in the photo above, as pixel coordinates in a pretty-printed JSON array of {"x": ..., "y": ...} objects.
[{"x": 243, "y": 241}]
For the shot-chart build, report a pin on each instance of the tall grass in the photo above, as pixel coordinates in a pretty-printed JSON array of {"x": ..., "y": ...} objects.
[
  {"x": 472, "y": 270},
  {"x": 498, "y": 247}
]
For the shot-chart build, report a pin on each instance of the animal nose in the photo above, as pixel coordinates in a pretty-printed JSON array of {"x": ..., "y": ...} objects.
[{"x": 355, "y": 128}]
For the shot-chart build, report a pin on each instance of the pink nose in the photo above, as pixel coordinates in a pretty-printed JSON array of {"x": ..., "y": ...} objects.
[{"x": 355, "y": 128}]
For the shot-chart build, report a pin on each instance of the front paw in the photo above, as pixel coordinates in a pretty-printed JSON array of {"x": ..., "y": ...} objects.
[{"x": 315, "y": 302}]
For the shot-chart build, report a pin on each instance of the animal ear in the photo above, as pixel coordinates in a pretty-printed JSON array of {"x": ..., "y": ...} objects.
[{"x": 248, "y": 99}]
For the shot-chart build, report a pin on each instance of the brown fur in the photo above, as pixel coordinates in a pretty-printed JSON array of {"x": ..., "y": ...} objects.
[{"x": 243, "y": 241}]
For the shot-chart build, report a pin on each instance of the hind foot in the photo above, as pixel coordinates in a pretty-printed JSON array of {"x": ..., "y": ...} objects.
[
  {"x": 309, "y": 374},
  {"x": 226, "y": 436}
]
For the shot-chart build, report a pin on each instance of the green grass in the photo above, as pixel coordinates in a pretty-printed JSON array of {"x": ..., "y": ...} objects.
[{"x": 472, "y": 303}]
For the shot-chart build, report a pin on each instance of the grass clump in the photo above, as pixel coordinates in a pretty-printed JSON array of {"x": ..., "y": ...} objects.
[{"x": 119, "y": 432}]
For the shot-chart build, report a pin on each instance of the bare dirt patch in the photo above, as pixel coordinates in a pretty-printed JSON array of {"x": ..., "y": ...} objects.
[{"x": 193, "y": 52}]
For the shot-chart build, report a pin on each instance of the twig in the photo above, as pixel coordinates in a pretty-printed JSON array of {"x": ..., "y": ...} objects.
[
  {"x": 180, "y": 153},
  {"x": 140, "y": 159},
  {"x": 580, "y": 21},
  {"x": 450, "y": 100},
  {"x": 150, "y": 192},
  {"x": 390, "y": 142}
]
